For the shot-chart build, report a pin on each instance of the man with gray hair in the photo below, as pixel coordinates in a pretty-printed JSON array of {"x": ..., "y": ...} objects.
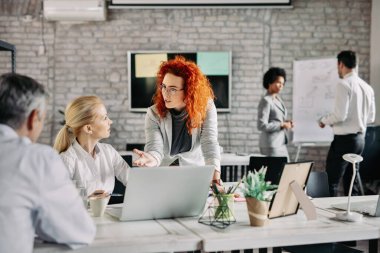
[{"x": 36, "y": 194}]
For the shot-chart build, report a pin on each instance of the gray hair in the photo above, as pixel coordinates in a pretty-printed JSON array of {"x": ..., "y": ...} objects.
[{"x": 19, "y": 96}]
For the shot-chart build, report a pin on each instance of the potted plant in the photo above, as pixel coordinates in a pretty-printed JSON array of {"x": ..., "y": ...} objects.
[
  {"x": 258, "y": 194},
  {"x": 224, "y": 205}
]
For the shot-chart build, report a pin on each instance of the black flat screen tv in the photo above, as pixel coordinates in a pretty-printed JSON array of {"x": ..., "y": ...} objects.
[{"x": 143, "y": 67}]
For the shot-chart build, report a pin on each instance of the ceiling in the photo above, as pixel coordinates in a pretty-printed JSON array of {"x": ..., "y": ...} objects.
[{"x": 20, "y": 7}]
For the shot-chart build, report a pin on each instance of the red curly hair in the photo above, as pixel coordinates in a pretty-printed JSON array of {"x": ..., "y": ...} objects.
[{"x": 197, "y": 90}]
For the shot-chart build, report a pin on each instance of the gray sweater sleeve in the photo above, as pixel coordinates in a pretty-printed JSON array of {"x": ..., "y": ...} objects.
[
  {"x": 154, "y": 140},
  {"x": 209, "y": 137}
]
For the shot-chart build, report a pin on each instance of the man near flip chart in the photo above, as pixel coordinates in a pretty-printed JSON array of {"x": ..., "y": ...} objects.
[
  {"x": 354, "y": 108},
  {"x": 36, "y": 195}
]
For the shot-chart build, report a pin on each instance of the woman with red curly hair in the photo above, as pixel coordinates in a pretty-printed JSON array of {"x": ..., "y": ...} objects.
[{"x": 181, "y": 128}]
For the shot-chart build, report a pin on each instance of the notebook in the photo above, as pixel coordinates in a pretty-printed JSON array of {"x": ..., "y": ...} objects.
[
  {"x": 164, "y": 192},
  {"x": 367, "y": 207}
]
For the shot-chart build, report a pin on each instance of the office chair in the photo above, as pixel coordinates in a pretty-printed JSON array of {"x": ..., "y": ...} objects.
[
  {"x": 119, "y": 187},
  {"x": 317, "y": 187},
  {"x": 229, "y": 173},
  {"x": 131, "y": 146},
  {"x": 274, "y": 164}
]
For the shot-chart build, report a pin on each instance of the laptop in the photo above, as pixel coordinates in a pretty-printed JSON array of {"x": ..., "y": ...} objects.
[
  {"x": 367, "y": 207},
  {"x": 164, "y": 192}
]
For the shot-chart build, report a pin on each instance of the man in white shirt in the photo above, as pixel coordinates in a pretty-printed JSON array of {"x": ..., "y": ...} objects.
[
  {"x": 354, "y": 109},
  {"x": 36, "y": 194}
]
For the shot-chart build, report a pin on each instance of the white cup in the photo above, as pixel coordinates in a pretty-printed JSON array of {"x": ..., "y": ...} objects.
[{"x": 98, "y": 205}]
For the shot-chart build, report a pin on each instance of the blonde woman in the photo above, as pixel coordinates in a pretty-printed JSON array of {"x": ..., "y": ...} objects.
[{"x": 91, "y": 163}]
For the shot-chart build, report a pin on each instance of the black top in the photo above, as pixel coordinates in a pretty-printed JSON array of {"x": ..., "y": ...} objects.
[{"x": 181, "y": 139}]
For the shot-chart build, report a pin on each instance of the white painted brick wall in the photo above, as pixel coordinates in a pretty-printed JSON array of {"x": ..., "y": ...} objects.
[{"x": 80, "y": 58}]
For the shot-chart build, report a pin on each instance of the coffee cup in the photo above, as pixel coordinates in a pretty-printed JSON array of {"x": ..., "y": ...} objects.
[{"x": 98, "y": 204}]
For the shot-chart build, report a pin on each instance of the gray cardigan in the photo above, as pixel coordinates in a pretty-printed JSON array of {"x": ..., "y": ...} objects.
[
  {"x": 204, "y": 146},
  {"x": 271, "y": 114}
]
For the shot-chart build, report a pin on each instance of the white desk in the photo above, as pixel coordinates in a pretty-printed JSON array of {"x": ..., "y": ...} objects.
[
  {"x": 139, "y": 236},
  {"x": 324, "y": 205},
  {"x": 186, "y": 234},
  {"x": 285, "y": 231}
]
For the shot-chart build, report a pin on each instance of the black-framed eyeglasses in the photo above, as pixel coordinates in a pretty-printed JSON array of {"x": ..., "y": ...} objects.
[{"x": 171, "y": 91}]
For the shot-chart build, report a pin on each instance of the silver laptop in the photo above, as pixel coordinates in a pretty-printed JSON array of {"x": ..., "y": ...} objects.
[
  {"x": 164, "y": 192},
  {"x": 367, "y": 207}
]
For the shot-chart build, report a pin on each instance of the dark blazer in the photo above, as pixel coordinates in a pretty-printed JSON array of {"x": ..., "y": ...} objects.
[{"x": 271, "y": 113}]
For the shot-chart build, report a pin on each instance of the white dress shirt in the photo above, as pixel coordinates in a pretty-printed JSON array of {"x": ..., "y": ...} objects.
[
  {"x": 95, "y": 173},
  {"x": 354, "y": 106},
  {"x": 37, "y": 197}
]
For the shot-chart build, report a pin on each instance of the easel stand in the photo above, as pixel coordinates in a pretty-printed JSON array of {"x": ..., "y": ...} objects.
[{"x": 307, "y": 206}]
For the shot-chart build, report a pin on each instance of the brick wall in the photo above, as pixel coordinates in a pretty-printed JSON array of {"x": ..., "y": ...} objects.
[{"x": 91, "y": 58}]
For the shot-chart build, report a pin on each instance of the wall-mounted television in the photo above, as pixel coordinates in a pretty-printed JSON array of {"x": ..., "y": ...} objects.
[
  {"x": 143, "y": 67},
  {"x": 10, "y": 50}
]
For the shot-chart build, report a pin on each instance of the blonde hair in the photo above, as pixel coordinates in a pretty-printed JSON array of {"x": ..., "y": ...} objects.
[{"x": 78, "y": 113}]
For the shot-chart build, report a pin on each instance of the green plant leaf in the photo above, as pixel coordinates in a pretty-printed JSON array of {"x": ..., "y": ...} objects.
[{"x": 255, "y": 186}]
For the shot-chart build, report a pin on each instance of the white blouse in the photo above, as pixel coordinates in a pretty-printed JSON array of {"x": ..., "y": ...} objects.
[{"x": 95, "y": 173}]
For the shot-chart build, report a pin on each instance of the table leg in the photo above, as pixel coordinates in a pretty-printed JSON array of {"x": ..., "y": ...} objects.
[{"x": 372, "y": 246}]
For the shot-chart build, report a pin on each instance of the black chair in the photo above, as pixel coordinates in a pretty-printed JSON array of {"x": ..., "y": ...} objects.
[
  {"x": 131, "y": 146},
  {"x": 128, "y": 159},
  {"x": 317, "y": 186},
  {"x": 119, "y": 188},
  {"x": 274, "y": 164},
  {"x": 229, "y": 173}
]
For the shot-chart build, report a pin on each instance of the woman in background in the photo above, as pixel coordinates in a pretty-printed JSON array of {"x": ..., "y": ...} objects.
[
  {"x": 181, "y": 128},
  {"x": 93, "y": 164},
  {"x": 272, "y": 115}
]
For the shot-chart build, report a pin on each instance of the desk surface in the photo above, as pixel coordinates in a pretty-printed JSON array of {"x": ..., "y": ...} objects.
[
  {"x": 135, "y": 236},
  {"x": 186, "y": 234},
  {"x": 324, "y": 204},
  {"x": 284, "y": 231}
]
